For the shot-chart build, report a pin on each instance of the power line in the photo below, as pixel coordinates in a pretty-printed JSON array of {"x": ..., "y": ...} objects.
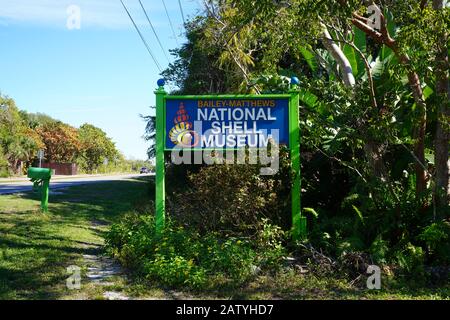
[
  {"x": 170, "y": 22},
  {"x": 182, "y": 12},
  {"x": 142, "y": 38},
  {"x": 154, "y": 32}
]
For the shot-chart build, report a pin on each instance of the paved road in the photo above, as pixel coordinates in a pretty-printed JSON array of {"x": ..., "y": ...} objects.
[{"x": 26, "y": 186}]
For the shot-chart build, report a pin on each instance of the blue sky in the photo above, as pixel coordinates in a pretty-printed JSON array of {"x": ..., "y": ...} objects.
[{"x": 101, "y": 73}]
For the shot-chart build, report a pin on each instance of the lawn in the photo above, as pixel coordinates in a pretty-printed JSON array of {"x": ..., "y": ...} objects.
[{"x": 37, "y": 248}]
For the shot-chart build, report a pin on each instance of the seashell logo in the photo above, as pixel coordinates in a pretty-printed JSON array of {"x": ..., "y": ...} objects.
[{"x": 182, "y": 133}]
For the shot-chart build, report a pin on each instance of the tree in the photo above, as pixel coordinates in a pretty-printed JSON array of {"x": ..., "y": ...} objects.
[
  {"x": 384, "y": 37},
  {"x": 19, "y": 143},
  {"x": 61, "y": 142},
  {"x": 284, "y": 32},
  {"x": 150, "y": 134},
  {"x": 34, "y": 120},
  {"x": 197, "y": 68},
  {"x": 96, "y": 147},
  {"x": 3, "y": 164},
  {"x": 442, "y": 142}
]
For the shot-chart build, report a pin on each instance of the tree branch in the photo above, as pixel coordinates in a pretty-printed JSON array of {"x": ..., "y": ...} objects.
[
  {"x": 339, "y": 56},
  {"x": 384, "y": 38}
]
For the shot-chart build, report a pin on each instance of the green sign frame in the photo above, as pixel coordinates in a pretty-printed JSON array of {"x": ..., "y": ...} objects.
[{"x": 298, "y": 220}]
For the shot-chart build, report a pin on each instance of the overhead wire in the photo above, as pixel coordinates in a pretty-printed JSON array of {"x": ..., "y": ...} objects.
[
  {"x": 154, "y": 31},
  {"x": 170, "y": 22},
  {"x": 182, "y": 12},
  {"x": 142, "y": 38}
]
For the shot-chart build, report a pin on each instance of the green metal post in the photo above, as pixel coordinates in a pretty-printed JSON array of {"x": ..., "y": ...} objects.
[
  {"x": 41, "y": 181},
  {"x": 298, "y": 221},
  {"x": 45, "y": 192},
  {"x": 160, "y": 170}
]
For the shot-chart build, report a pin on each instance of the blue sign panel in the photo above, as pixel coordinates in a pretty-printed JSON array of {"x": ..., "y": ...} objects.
[{"x": 226, "y": 123}]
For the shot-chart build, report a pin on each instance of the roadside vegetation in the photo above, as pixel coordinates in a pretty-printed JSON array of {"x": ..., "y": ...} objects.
[
  {"x": 374, "y": 121},
  {"x": 257, "y": 260},
  {"x": 37, "y": 248},
  {"x": 22, "y": 134},
  {"x": 375, "y": 133}
]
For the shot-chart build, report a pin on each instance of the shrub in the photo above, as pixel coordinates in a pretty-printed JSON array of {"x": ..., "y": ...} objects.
[
  {"x": 436, "y": 236},
  {"x": 269, "y": 242},
  {"x": 231, "y": 198},
  {"x": 231, "y": 257},
  {"x": 411, "y": 259},
  {"x": 182, "y": 257},
  {"x": 175, "y": 270},
  {"x": 379, "y": 250}
]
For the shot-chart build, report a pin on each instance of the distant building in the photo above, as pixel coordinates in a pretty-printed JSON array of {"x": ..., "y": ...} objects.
[{"x": 63, "y": 169}]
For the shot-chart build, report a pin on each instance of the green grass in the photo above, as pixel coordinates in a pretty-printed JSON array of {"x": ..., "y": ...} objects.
[
  {"x": 36, "y": 248},
  {"x": 291, "y": 285},
  {"x": 287, "y": 285}
]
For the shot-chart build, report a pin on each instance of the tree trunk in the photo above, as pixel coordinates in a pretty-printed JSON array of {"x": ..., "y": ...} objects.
[
  {"x": 372, "y": 149},
  {"x": 419, "y": 132},
  {"x": 442, "y": 161},
  {"x": 339, "y": 56}
]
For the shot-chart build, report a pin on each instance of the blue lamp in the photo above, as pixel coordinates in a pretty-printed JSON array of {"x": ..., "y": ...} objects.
[{"x": 161, "y": 82}]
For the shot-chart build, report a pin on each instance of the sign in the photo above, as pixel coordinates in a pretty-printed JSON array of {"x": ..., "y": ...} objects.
[
  {"x": 40, "y": 155},
  {"x": 226, "y": 123}
]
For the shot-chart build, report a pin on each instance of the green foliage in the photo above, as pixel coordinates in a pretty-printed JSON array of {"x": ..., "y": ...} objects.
[
  {"x": 229, "y": 257},
  {"x": 272, "y": 83},
  {"x": 3, "y": 165},
  {"x": 96, "y": 148},
  {"x": 359, "y": 158},
  {"x": 241, "y": 197},
  {"x": 311, "y": 211},
  {"x": 310, "y": 58},
  {"x": 269, "y": 242},
  {"x": 175, "y": 271},
  {"x": 22, "y": 134},
  {"x": 150, "y": 134},
  {"x": 180, "y": 257},
  {"x": 436, "y": 236},
  {"x": 18, "y": 142},
  {"x": 411, "y": 258},
  {"x": 349, "y": 244},
  {"x": 358, "y": 212},
  {"x": 197, "y": 68},
  {"x": 34, "y": 120},
  {"x": 379, "y": 250}
]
